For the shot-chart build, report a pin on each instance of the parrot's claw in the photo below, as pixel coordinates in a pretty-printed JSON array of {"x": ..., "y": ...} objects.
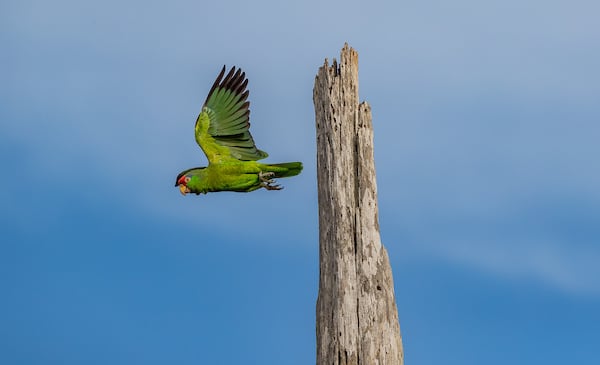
[
  {"x": 265, "y": 176},
  {"x": 267, "y": 182},
  {"x": 268, "y": 186}
]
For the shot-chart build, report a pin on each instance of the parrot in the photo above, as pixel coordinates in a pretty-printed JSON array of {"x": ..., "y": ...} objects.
[{"x": 222, "y": 132}]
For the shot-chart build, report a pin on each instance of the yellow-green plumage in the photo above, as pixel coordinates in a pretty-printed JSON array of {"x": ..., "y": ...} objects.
[{"x": 222, "y": 131}]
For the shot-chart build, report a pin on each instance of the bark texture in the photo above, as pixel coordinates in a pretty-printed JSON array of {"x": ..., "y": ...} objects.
[{"x": 357, "y": 318}]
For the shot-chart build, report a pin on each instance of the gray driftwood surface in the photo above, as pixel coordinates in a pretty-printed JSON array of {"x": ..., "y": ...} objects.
[{"x": 357, "y": 318}]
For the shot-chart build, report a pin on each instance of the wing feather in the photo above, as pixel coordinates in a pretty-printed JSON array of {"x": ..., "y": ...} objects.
[{"x": 227, "y": 111}]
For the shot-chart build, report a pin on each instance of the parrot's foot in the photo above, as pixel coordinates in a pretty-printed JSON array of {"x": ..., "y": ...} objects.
[
  {"x": 266, "y": 176},
  {"x": 268, "y": 186},
  {"x": 266, "y": 181}
]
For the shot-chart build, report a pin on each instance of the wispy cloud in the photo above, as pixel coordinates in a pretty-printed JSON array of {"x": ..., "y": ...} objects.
[{"x": 569, "y": 269}]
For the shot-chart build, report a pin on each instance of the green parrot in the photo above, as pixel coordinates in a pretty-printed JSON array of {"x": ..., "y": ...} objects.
[{"x": 222, "y": 131}]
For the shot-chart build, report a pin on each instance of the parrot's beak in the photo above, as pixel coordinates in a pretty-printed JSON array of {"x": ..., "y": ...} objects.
[{"x": 183, "y": 189}]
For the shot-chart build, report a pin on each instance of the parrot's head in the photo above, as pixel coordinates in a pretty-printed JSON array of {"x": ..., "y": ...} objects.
[
  {"x": 188, "y": 180},
  {"x": 182, "y": 180}
]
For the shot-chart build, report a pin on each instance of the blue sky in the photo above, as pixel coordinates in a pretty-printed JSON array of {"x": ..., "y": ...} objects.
[{"x": 486, "y": 117}]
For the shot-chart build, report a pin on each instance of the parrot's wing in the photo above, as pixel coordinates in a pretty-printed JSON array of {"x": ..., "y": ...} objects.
[{"x": 222, "y": 126}]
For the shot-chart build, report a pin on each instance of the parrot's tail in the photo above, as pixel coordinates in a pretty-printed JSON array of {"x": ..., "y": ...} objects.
[{"x": 284, "y": 169}]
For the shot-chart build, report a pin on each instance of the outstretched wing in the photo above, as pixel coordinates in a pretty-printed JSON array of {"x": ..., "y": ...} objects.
[{"x": 222, "y": 126}]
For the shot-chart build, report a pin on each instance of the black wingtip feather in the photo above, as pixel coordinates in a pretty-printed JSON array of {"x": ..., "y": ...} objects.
[
  {"x": 242, "y": 87},
  {"x": 232, "y": 83},
  {"x": 216, "y": 83},
  {"x": 228, "y": 78},
  {"x": 235, "y": 80}
]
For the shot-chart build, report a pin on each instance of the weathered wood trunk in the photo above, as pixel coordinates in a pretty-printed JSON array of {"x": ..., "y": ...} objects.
[{"x": 357, "y": 319}]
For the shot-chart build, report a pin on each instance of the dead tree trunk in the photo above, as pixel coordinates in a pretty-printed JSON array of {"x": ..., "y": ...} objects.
[{"x": 357, "y": 319}]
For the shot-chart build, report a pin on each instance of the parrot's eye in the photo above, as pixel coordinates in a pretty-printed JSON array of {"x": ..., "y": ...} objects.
[{"x": 187, "y": 179}]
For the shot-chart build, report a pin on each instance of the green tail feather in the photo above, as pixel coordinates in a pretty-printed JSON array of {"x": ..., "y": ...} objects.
[{"x": 286, "y": 169}]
